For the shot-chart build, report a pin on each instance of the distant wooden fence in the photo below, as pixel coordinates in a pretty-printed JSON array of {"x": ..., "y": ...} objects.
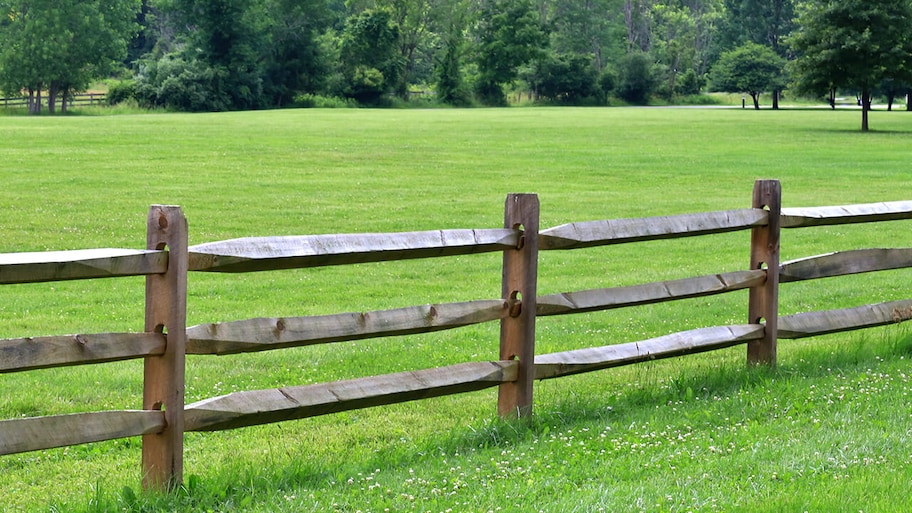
[
  {"x": 167, "y": 259},
  {"x": 73, "y": 101}
]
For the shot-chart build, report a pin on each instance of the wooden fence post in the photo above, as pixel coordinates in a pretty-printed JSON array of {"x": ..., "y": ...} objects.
[
  {"x": 517, "y": 330},
  {"x": 163, "y": 385},
  {"x": 764, "y": 298}
]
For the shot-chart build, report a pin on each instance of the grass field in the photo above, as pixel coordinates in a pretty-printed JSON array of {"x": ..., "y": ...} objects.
[{"x": 829, "y": 430}]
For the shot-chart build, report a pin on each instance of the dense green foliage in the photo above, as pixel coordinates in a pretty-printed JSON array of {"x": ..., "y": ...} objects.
[
  {"x": 751, "y": 69},
  {"x": 702, "y": 433},
  {"x": 856, "y": 44},
  {"x": 510, "y": 35},
  {"x": 238, "y": 55},
  {"x": 61, "y": 45}
]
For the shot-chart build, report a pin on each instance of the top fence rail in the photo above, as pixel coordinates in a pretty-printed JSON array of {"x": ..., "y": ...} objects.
[{"x": 292, "y": 252}]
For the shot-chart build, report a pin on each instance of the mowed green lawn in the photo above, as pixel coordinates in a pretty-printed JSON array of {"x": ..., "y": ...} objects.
[{"x": 829, "y": 430}]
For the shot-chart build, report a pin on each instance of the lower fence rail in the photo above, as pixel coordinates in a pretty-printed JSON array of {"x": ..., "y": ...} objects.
[
  {"x": 38, "y": 433},
  {"x": 257, "y": 407}
]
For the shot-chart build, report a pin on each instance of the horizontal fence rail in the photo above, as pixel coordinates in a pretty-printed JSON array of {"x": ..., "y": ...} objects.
[
  {"x": 166, "y": 338},
  {"x": 619, "y": 231},
  {"x": 273, "y": 253},
  {"x": 256, "y": 407},
  {"x": 21, "y": 354},
  {"x": 265, "y": 334},
  {"x": 79, "y": 265},
  {"x": 37, "y": 433},
  {"x": 677, "y": 344},
  {"x": 648, "y": 293},
  {"x": 848, "y": 214},
  {"x": 845, "y": 263}
]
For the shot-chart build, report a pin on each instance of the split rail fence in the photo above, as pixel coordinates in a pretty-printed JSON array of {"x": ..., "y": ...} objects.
[
  {"x": 164, "y": 418},
  {"x": 74, "y": 100}
]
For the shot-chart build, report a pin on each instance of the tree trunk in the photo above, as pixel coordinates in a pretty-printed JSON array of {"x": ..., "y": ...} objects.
[
  {"x": 909, "y": 100},
  {"x": 597, "y": 53},
  {"x": 756, "y": 98},
  {"x": 775, "y": 99},
  {"x": 52, "y": 98},
  {"x": 865, "y": 107}
]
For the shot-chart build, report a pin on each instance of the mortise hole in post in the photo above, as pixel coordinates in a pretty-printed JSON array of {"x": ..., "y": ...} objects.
[
  {"x": 515, "y": 303},
  {"x": 521, "y": 241},
  {"x": 761, "y": 265},
  {"x": 760, "y": 320}
]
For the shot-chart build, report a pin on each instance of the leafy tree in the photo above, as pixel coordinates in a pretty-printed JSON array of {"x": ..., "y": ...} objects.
[
  {"x": 891, "y": 89},
  {"x": 853, "y": 44},
  {"x": 61, "y": 45},
  {"x": 228, "y": 37},
  {"x": 371, "y": 61},
  {"x": 593, "y": 28},
  {"x": 414, "y": 19},
  {"x": 510, "y": 34},
  {"x": 636, "y": 79},
  {"x": 708, "y": 18},
  {"x": 294, "y": 60},
  {"x": 450, "y": 83},
  {"x": 565, "y": 78},
  {"x": 450, "y": 21},
  {"x": 638, "y": 22},
  {"x": 145, "y": 39},
  {"x": 765, "y": 22},
  {"x": 751, "y": 69},
  {"x": 607, "y": 82},
  {"x": 234, "y": 54},
  {"x": 674, "y": 40}
]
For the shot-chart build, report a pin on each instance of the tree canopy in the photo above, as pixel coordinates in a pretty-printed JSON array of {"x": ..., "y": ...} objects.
[
  {"x": 751, "y": 69},
  {"x": 854, "y": 44},
  {"x": 201, "y": 55},
  {"x": 61, "y": 45}
]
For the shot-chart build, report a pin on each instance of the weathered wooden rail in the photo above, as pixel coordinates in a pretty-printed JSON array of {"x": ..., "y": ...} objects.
[{"x": 167, "y": 259}]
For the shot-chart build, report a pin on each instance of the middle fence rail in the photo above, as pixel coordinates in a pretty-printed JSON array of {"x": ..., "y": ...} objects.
[{"x": 166, "y": 340}]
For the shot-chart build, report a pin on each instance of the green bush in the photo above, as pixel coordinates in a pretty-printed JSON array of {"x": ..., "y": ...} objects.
[
  {"x": 637, "y": 79},
  {"x": 179, "y": 84},
  {"x": 366, "y": 85},
  {"x": 568, "y": 79},
  {"x": 690, "y": 83},
  {"x": 119, "y": 92}
]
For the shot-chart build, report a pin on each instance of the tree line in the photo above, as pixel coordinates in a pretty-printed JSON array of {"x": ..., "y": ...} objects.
[{"x": 210, "y": 55}]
